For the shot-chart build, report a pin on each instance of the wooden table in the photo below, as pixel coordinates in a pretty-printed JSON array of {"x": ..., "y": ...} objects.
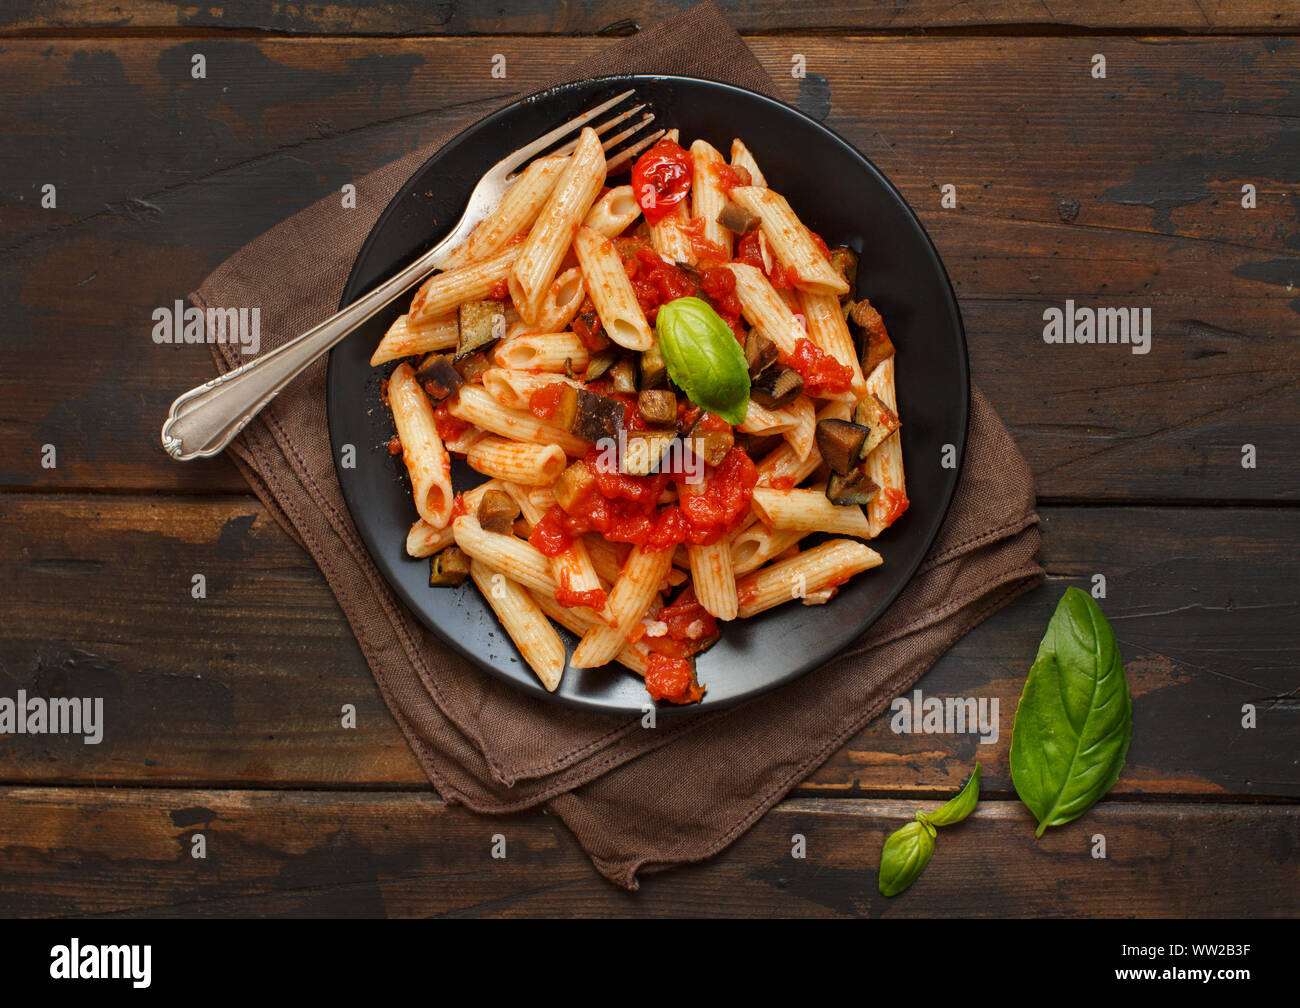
[{"x": 1119, "y": 191}]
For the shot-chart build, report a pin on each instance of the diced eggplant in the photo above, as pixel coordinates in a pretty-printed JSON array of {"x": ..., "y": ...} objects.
[
  {"x": 566, "y": 408},
  {"x": 571, "y": 490},
  {"x": 840, "y": 443},
  {"x": 657, "y": 406},
  {"x": 438, "y": 375},
  {"x": 586, "y": 324},
  {"x": 481, "y": 324},
  {"x": 623, "y": 375},
  {"x": 760, "y": 353},
  {"x": 472, "y": 365},
  {"x": 736, "y": 218},
  {"x": 776, "y": 387},
  {"x": 710, "y": 445},
  {"x": 497, "y": 512},
  {"x": 448, "y": 568},
  {"x": 600, "y": 362},
  {"x": 855, "y": 487},
  {"x": 845, "y": 262},
  {"x": 876, "y": 344},
  {"x": 654, "y": 369},
  {"x": 871, "y": 412},
  {"x": 644, "y": 450},
  {"x": 757, "y": 446},
  {"x": 596, "y": 416}
]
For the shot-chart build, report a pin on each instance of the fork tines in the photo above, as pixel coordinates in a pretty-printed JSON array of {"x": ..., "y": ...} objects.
[{"x": 598, "y": 119}]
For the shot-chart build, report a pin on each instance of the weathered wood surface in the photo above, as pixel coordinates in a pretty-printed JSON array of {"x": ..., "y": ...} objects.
[
  {"x": 468, "y": 17},
  {"x": 252, "y": 689},
  {"x": 73, "y": 851},
  {"x": 1117, "y": 192}
]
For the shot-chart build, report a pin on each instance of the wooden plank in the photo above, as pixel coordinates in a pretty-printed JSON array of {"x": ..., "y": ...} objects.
[
  {"x": 476, "y": 18},
  {"x": 1122, "y": 192},
  {"x": 253, "y": 692},
  {"x": 73, "y": 851}
]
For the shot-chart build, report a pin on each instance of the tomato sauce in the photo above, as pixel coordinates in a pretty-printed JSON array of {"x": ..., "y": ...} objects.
[
  {"x": 704, "y": 249},
  {"x": 822, "y": 374},
  {"x": 656, "y": 282},
  {"x": 450, "y": 428},
  {"x": 661, "y": 178},
  {"x": 730, "y": 176},
  {"x": 394, "y": 445},
  {"x": 545, "y": 400},
  {"x": 690, "y": 628},
  {"x": 718, "y": 285},
  {"x": 895, "y": 502},
  {"x": 570, "y": 598},
  {"x": 671, "y": 679}
]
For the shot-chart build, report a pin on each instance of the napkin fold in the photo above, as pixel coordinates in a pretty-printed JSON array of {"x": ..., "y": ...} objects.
[{"x": 636, "y": 799}]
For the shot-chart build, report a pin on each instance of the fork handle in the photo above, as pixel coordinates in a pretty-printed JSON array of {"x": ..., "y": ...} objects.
[{"x": 204, "y": 420}]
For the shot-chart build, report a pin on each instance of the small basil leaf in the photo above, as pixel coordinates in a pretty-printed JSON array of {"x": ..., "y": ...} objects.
[
  {"x": 905, "y": 855},
  {"x": 960, "y": 807},
  {"x": 704, "y": 358},
  {"x": 1074, "y": 718}
]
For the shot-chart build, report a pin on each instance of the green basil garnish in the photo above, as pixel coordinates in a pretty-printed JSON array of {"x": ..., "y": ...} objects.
[
  {"x": 704, "y": 358},
  {"x": 1074, "y": 718},
  {"x": 908, "y": 849},
  {"x": 960, "y": 807},
  {"x": 906, "y": 853}
]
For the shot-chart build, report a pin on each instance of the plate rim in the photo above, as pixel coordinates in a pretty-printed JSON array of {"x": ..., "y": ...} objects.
[{"x": 796, "y": 671}]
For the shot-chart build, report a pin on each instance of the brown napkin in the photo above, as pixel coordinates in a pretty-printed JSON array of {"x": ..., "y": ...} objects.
[{"x": 633, "y": 797}]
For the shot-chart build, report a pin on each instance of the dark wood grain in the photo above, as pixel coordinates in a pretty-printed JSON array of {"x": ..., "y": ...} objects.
[
  {"x": 474, "y": 17},
  {"x": 252, "y": 691},
  {"x": 73, "y": 851},
  {"x": 1068, "y": 188}
]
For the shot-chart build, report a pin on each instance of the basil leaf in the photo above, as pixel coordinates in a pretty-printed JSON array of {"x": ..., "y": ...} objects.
[
  {"x": 1074, "y": 718},
  {"x": 960, "y": 807},
  {"x": 906, "y": 853},
  {"x": 704, "y": 358}
]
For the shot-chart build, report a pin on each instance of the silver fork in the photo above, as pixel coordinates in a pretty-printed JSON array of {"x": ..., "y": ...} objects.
[{"x": 204, "y": 420}]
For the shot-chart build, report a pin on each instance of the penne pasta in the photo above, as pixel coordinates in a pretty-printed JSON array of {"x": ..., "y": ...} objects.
[
  {"x": 561, "y": 351},
  {"x": 443, "y": 292},
  {"x": 763, "y": 308},
  {"x": 538, "y": 643},
  {"x": 424, "y": 540},
  {"x": 634, "y": 656},
  {"x": 543, "y": 250},
  {"x": 422, "y": 449},
  {"x": 809, "y": 511},
  {"x": 801, "y": 435},
  {"x": 635, "y": 589},
  {"x": 474, "y": 405},
  {"x": 757, "y": 544},
  {"x": 611, "y": 291},
  {"x": 825, "y": 566},
  {"x": 761, "y": 420},
  {"x": 406, "y": 340},
  {"x": 514, "y": 389},
  {"x": 885, "y": 464},
  {"x": 707, "y": 197},
  {"x": 742, "y": 158},
  {"x": 516, "y": 212},
  {"x": 517, "y": 461},
  {"x": 783, "y": 463},
  {"x": 790, "y": 240},
  {"x": 824, "y": 318},
  {"x": 614, "y": 212},
  {"x": 562, "y": 302},
  {"x": 525, "y": 563}
]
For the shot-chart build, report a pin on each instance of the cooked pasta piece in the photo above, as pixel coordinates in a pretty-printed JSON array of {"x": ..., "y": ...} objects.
[
  {"x": 742, "y": 158},
  {"x": 514, "y": 389},
  {"x": 525, "y": 562},
  {"x": 809, "y": 511},
  {"x": 826, "y": 327},
  {"x": 422, "y": 449},
  {"x": 474, "y": 405},
  {"x": 516, "y": 212},
  {"x": 614, "y": 212},
  {"x": 444, "y": 292},
  {"x": 885, "y": 464},
  {"x": 424, "y": 540},
  {"x": 707, "y": 197},
  {"x": 517, "y": 461},
  {"x": 562, "y": 302},
  {"x": 635, "y": 589},
  {"x": 561, "y": 351},
  {"x": 826, "y": 566},
  {"x": 763, "y": 308},
  {"x": 523, "y": 620},
  {"x": 611, "y": 291},
  {"x": 406, "y": 340},
  {"x": 543, "y": 250},
  {"x": 790, "y": 240}
]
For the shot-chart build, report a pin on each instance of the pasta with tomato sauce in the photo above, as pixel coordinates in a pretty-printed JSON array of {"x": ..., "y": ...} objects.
[{"x": 676, "y": 442}]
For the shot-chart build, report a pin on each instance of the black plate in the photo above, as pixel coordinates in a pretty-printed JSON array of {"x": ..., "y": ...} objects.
[{"x": 835, "y": 191}]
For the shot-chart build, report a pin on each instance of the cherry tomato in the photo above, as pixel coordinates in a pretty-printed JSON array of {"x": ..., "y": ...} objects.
[{"x": 661, "y": 178}]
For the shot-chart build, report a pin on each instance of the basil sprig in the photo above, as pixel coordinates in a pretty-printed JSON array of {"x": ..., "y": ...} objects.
[
  {"x": 908, "y": 849},
  {"x": 1075, "y": 716},
  {"x": 704, "y": 358}
]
